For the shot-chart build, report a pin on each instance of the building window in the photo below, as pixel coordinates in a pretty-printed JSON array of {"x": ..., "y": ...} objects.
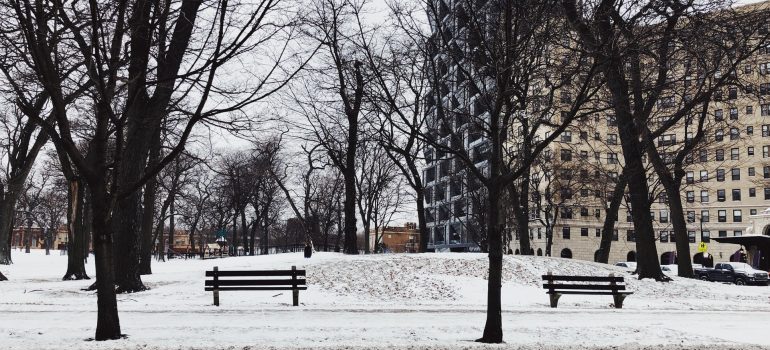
[
  {"x": 720, "y": 195},
  {"x": 719, "y": 135},
  {"x": 583, "y": 211},
  {"x": 630, "y": 236},
  {"x": 691, "y": 236},
  {"x": 565, "y": 232},
  {"x": 751, "y": 171},
  {"x": 721, "y": 215},
  {"x": 704, "y": 196},
  {"x": 767, "y": 193},
  {"x": 735, "y": 133},
  {"x": 704, "y": 175},
  {"x": 566, "y": 155},
  {"x": 734, "y": 113},
  {"x": 765, "y": 151},
  {"x": 738, "y": 233},
  {"x": 690, "y": 195},
  {"x": 722, "y": 233},
  {"x": 584, "y": 231},
  {"x": 736, "y": 194},
  {"x": 735, "y": 174},
  {"x": 612, "y": 158},
  {"x": 663, "y": 216},
  {"x": 720, "y": 175},
  {"x": 704, "y": 216},
  {"x": 737, "y": 215},
  {"x": 690, "y": 216},
  {"x": 750, "y": 150},
  {"x": 734, "y": 154},
  {"x": 705, "y": 236},
  {"x": 752, "y": 192},
  {"x": 612, "y": 139},
  {"x": 720, "y": 155},
  {"x": 663, "y": 236},
  {"x": 598, "y": 232},
  {"x": 690, "y": 177},
  {"x": 749, "y": 130},
  {"x": 752, "y": 212}
]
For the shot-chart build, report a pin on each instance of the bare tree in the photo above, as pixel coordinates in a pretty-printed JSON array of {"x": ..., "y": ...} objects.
[{"x": 636, "y": 45}]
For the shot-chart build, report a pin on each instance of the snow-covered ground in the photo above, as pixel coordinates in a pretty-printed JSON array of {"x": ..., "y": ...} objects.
[{"x": 417, "y": 301}]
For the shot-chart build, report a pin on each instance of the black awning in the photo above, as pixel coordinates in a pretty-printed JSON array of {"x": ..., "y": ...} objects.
[{"x": 750, "y": 240}]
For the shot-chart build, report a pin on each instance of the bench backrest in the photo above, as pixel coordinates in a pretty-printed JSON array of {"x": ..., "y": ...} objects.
[
  {"x": 610, "y": 283},
  {"x": 255, "y": 279}
]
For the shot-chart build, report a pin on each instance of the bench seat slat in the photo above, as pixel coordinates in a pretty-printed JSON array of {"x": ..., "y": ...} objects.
[
  {"x": 273, "y": 282},
  {"x": 583, "y": 278},
  {"x": 586, "y": 292},
  {"x": 209, "y": 289},
  {"x": 585, "y": 286},
  {"x": 255, "y": 273}
]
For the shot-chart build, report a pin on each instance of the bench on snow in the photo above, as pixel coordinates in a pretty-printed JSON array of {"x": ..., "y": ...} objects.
[
  {"x": 254, "y": 280},
  {"x": 586, "y": 285}
]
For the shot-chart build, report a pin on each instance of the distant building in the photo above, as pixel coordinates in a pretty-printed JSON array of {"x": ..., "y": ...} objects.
[
  {"x": 58, "y": 239},
  {"x": 405, "y": 239}
]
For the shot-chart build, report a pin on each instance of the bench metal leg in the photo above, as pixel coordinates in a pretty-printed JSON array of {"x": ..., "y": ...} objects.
[
  {"x": 216, "y": 297},
  {"x": 554, "y": 299},
  {"x": 295, "y": 296},
  {"x": 618, "y": 298}
]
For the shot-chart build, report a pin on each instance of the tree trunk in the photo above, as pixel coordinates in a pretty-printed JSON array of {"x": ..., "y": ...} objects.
[
  {"x": 610, "y": 218},
  {"x": 422, "y": 225},
  {"x": 351, "y": 247},
  {"x": 7, "y": 210},
  {"x": 680, "y": 230},
  {"x": 245, "y": 233},
  {"x": 646, "y": 253},
  {"x": 148, "y": 220},
  {"x": 234, "y": 247},
  {"x": 493, "y": 328},
  {"x": 127, "y": 227},
  {"x": 520, "y": 201},
  {"x": 107, "y": 322},
  {"x": 171, "y": 227}
]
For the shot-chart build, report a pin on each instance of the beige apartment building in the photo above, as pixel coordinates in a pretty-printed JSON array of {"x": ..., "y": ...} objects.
[{"x": 727, "y": 182}]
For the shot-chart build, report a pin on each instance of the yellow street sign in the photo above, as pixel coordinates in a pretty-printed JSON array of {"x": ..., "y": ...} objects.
[{"x": 703, "y": 247}]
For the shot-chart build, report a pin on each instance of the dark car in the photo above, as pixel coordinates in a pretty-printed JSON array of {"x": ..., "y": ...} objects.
[{"x": 733, "y": 272}]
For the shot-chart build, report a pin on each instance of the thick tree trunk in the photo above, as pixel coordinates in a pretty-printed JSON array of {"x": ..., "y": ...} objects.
[
  {"x": 610, "y": 218},
  {"x": 520, "y": 201},
  {"x": 680, "y": 231},
  {"x": 171, "y": 227},
  {"x": 7, "y": 209},
  {"x": 76, "y": 230},
  {"x": 648, "y": 265},
  {"x": 127, "y": 227},
  {"x": 493, "y": 328},
  {"x": 107, "y": 322},
  {"x": 351, "y": 246},
  {"x": 148, "y": 218}
]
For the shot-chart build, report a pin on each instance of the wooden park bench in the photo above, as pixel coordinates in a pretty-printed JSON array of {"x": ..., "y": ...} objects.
[
  {"x": 253, "y": 280},
  {"x": 585, "y": 285}
]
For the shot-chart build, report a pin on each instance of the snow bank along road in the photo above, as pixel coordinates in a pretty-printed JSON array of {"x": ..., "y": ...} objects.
[{"x": 433, "y": 301}]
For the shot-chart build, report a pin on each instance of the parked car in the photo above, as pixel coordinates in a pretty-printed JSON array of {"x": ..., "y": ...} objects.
[
  {"x": 630, "y": 266},
  {"x": 733, "y": 272}
]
